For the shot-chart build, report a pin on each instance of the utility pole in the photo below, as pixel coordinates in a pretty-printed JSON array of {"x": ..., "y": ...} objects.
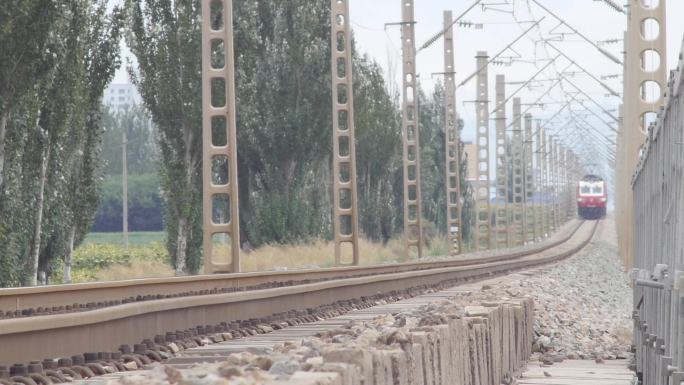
[
  {"x": 528, "y": 186},
  {"x": 124, "y": 182},
  {"x": 538, "y": 202},
  {"x": 563, "y": 186},
  {"x": 552, "y": 187},
  {"x": 453, "y": 143},
  {"x": 413, "y": 231},
  {"x": 568, "y": 184},
  {"x": 346, "y": 225},
  {"x": 517, "y": 174},
  {"x": 558, "y": 184},
  {"x": 482, "y": 207},
  {"x": 555, "y": 167},
  {"x": 220, "y": 209},
  {"x": 545, "y": 156},
  {"x": 642, "y": 46},
  {"x": 502, "y": 161}
]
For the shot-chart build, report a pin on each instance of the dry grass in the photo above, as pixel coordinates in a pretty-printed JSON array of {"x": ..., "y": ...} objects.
[
  {"x": 313, "y": 254},
  {"x": 136, "y": 269},
  {"x": 320, "y": 253}
]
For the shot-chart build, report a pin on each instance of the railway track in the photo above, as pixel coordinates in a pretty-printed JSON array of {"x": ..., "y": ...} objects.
[{"x": 77, "y": 321}]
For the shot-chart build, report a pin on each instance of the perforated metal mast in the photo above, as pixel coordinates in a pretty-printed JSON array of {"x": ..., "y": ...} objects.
[
  {"x": 554, "y": 182},
  {"x": 562, "y": 191},
  {"x": 219, "y": 156},
  {"x": 567, "y": 180},
  {"x": 570, "y": 179},
  {"x": 538, "y": 169},
  {"x": 452, "y": 138},
  {"x": 645, "y": 61},
  {"x": 546, "y": 157},
  {"x": 563, "y": 187},
  {"x": 482, "y": 206},
  {"x": 574, "y": 179},
  {"x": 528, "y": 185},
  {"x": 411, "y": 139},
  {"x": 502, "y": 161},
  {"x": 559, "y": 186},
  {"x": 552, "y": 186},
  {"x": 561, "y": 183},
  {"x": 346, "y": 225},
  {"x": 516, "y": 148}
]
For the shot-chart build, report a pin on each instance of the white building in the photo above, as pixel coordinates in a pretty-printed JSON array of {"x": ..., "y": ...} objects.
[{"x": 121, "y": 96}]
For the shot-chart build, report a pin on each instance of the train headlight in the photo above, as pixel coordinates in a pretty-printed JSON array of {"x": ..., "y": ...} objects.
[
  {"x": 580, "y": 200},
  {"x": 604, "y": 199}
]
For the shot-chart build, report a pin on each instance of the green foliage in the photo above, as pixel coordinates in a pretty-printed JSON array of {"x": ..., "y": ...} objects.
[
  {"x": 166, "y": 40},
  {"x": 141, "y": 136},
  {"x": 144, "y": 204},
  {"x": 284, "y": 119},
  {"x": 53, "y": 170},
  {"x": 284, "y": 123},
  {"x": 378, "y": 150},
  {"x": 91, "y": 258},
  {"x": 57, "y": 57}
]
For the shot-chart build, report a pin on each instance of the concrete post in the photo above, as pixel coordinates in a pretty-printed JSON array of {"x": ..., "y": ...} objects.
[
  {"x": 346, "y": 223},
  {"x": 645, "y": 76},
  {"x": 528, "y": 182},
  {"x": 221, "y": 225},
  {"x": 482, "y": 206},
  {"x": 502, "y": 162},
  {"x": 411, "y": 134},
  {"x": 452, "y": 139},
  {"x": 538, "y": 203},
  {"x": 518, "y": 194}
]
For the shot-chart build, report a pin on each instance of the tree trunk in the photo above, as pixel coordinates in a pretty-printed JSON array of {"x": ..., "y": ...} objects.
[
  {"x": 244, "y": 184},
  {"x": 4, "y": 118},
  {"x": 70, "y": 255},
  {"x": 38, "y": 227},
  {"x": 184, "y": 227},
  {"x": 182, "y": 246}
]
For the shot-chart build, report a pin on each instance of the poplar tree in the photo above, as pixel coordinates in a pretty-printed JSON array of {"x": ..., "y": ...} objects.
[
  {"x": 165, "y": 37},
  {"x": 52, "y": 83}
]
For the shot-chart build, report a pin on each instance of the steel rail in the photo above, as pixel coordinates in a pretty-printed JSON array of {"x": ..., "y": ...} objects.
[
  {"x": 14, "y": 299},
  {"x": 34, "y": 338}
]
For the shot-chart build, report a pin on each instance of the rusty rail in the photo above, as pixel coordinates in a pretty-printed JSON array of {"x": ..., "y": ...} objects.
[
  {"x": 101, "y": 294},
  {"x": 105, "y": 329}
]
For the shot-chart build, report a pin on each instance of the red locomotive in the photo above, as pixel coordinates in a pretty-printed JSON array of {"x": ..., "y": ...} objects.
[{"x": 592, "y": 197}]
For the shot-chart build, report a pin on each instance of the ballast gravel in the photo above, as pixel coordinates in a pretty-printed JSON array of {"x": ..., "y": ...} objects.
[
  {"x": 582, "y": 311},
  {"x": 583, "y": 305}
]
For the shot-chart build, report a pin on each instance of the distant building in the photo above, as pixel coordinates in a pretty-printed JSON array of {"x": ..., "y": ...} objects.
[{"x": 121, "y": 96}]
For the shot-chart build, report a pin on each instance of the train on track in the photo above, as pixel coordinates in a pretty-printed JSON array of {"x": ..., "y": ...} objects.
[{"x": 592, "y": 197}]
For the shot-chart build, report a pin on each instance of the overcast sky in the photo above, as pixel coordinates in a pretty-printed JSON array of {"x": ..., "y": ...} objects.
[
  {"x": 499, "y": 24},
  {"x": 592, "y": 18}
]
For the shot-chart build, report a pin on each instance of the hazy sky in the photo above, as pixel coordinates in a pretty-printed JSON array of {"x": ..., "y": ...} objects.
[
  {"x": 501, "y": 22},
  {"x": 592, "y": 18}
]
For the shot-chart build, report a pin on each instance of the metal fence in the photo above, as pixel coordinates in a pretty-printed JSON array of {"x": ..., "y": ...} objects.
[{"x": 658, "y": 273}]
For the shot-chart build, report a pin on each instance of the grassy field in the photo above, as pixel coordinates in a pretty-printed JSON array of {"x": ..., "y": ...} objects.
[
  {"x": 102, "y": 256},
  {"x": 134, "y": 238}
]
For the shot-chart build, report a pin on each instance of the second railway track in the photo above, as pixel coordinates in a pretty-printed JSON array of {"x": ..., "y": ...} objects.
[{"x": 44, "y": 322}]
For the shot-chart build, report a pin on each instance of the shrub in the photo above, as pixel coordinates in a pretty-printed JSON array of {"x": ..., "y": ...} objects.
[{"x": 91, "y": 258}]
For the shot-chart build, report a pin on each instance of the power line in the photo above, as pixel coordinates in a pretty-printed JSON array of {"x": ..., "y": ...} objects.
[{"x": 600, "y": 49}]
